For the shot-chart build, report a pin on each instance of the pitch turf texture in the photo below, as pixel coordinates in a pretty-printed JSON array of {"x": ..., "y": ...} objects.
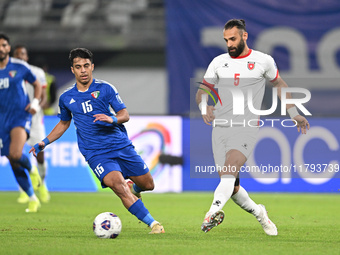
[{"x": 307, "y": 224}]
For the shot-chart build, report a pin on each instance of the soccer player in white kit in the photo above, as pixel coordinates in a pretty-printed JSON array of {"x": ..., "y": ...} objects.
[
  {"x": 37, "y": 127},
  {"x": 234, "y": 136}
]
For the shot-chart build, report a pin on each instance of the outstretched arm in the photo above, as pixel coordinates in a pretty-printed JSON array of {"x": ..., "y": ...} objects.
[
  {"x": 301, "y": 122},
  {"x": 55, "y": 134}
]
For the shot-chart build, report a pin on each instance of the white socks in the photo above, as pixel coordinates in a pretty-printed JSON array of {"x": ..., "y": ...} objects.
[
  {"x": 222, "y": 193},
  {"x": 33, "y": 197},
  {"x": 42, "y": 170},
  {"x": 242, "y": 199},
  {"x": 153, "y": 223}
]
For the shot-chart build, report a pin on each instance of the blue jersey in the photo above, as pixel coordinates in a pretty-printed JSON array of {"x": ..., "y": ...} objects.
[
  {"x": 94, "y": 137},
  {"x": 13, "y": 95},
  {"x": 13, "y": 99}
]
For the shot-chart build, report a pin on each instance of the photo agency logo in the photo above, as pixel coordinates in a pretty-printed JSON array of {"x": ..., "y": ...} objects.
[
  {"x": 244, "y": 99},
  {"x": 204, "y": 99}
]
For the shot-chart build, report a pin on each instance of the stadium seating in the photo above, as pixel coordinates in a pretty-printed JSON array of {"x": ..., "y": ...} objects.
[{"x": 98, "y": 24}]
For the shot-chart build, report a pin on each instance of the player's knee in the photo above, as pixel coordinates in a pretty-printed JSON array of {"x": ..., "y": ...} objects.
[
  {"x": 116, "y": 190},
  {"x": 14, "y": 156},
  {"x": 235, "y": 158},
  {"x": 234, "y": 163},
  {"x": 149, "y": 185},
  {"x": 109, "y": 182},
  {"x": 119, "y": 188}
]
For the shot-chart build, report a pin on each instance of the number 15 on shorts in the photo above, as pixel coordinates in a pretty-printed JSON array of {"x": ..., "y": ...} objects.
[{"x": 99, "y": 170}]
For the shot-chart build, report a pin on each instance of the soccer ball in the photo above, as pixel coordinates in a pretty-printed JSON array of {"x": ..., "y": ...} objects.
[{"x": 107, "y": 225}]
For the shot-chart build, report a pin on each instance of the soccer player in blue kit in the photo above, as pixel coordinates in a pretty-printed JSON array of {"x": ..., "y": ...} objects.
[
  {"x": 15, "y": 117},
  {"x": 102, "y": 137}
]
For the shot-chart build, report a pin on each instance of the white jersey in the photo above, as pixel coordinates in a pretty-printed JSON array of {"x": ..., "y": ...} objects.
[
  {"x": 37, "y": 132},
  {"x": 41, "y": 77},
  {"x": 235, "y": 78}
]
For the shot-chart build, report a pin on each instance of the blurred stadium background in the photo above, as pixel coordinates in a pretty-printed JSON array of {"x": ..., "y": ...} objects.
[{"x": 151, "y": 50}]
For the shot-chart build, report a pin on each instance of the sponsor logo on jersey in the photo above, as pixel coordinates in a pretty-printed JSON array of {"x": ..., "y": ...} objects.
[
  {"x": 72, "y": 101},
  {"x": 251, "y": 65},
  {"x": 12, "y": 73},
  {"x": 95, "y": 94},
  {"x": 225, "y": 65}
]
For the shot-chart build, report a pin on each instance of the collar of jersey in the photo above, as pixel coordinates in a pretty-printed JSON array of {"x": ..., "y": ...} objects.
[
  {"x": 249, "y": 52},
  {"x": 87, "y": 88}
]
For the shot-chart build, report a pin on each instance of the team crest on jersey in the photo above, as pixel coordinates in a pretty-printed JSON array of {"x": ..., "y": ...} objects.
[
  {"x": 251, "y": 65},
  {"x": 12, "y": 73},
  {"x": 95, "y": 94}
]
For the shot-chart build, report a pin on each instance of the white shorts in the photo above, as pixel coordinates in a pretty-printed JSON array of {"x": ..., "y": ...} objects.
[
  {"x": 225, "y": 139},
  {"x": 37, "y": 133}
]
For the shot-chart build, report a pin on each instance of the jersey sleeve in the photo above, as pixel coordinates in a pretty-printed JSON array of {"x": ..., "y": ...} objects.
[
  {"x": 29, "y": 75},
  {"x": 63, "y": 113},
  {"x": 271, "y": 71},
  {"x": 114, "y": 99},
  {"x": 41, "y": 77},
  {"x": 211, "y": 77}
]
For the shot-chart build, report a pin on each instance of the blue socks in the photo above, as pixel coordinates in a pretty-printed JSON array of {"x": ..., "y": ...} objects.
[
  {"x": 25, "y": 162},
  {"x": 139, "y": 210},
  {"x": 23, "y": 179},
  {"x": 136, "y": 188}
]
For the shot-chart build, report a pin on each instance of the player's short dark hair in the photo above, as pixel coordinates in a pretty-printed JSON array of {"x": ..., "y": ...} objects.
[
  {"x": 19, "y": 46},
  {"x": 80, "y": 53},
  {"x": 5, "y": 37},
  {"x": 239, "y": 23}
]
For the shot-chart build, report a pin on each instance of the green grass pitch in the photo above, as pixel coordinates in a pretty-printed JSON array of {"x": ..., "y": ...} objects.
[{"x": 307, "y": 224}]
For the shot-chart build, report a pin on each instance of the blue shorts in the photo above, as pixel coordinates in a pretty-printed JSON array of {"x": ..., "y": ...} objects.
[
  {"x": 7, "y": 124},
  {"x": 126, "y": 160}
]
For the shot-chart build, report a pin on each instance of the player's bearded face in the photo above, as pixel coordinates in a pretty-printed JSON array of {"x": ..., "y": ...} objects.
[
  {"x": 2, "y": 56},
  {"x": 4, "y": 49},
  {"x": 238, "y": 49}
]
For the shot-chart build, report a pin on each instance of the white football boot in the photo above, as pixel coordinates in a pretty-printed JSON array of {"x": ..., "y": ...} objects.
[
  {"x": 212, "y": 220},
  {"x": 267, "y": 225}
]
